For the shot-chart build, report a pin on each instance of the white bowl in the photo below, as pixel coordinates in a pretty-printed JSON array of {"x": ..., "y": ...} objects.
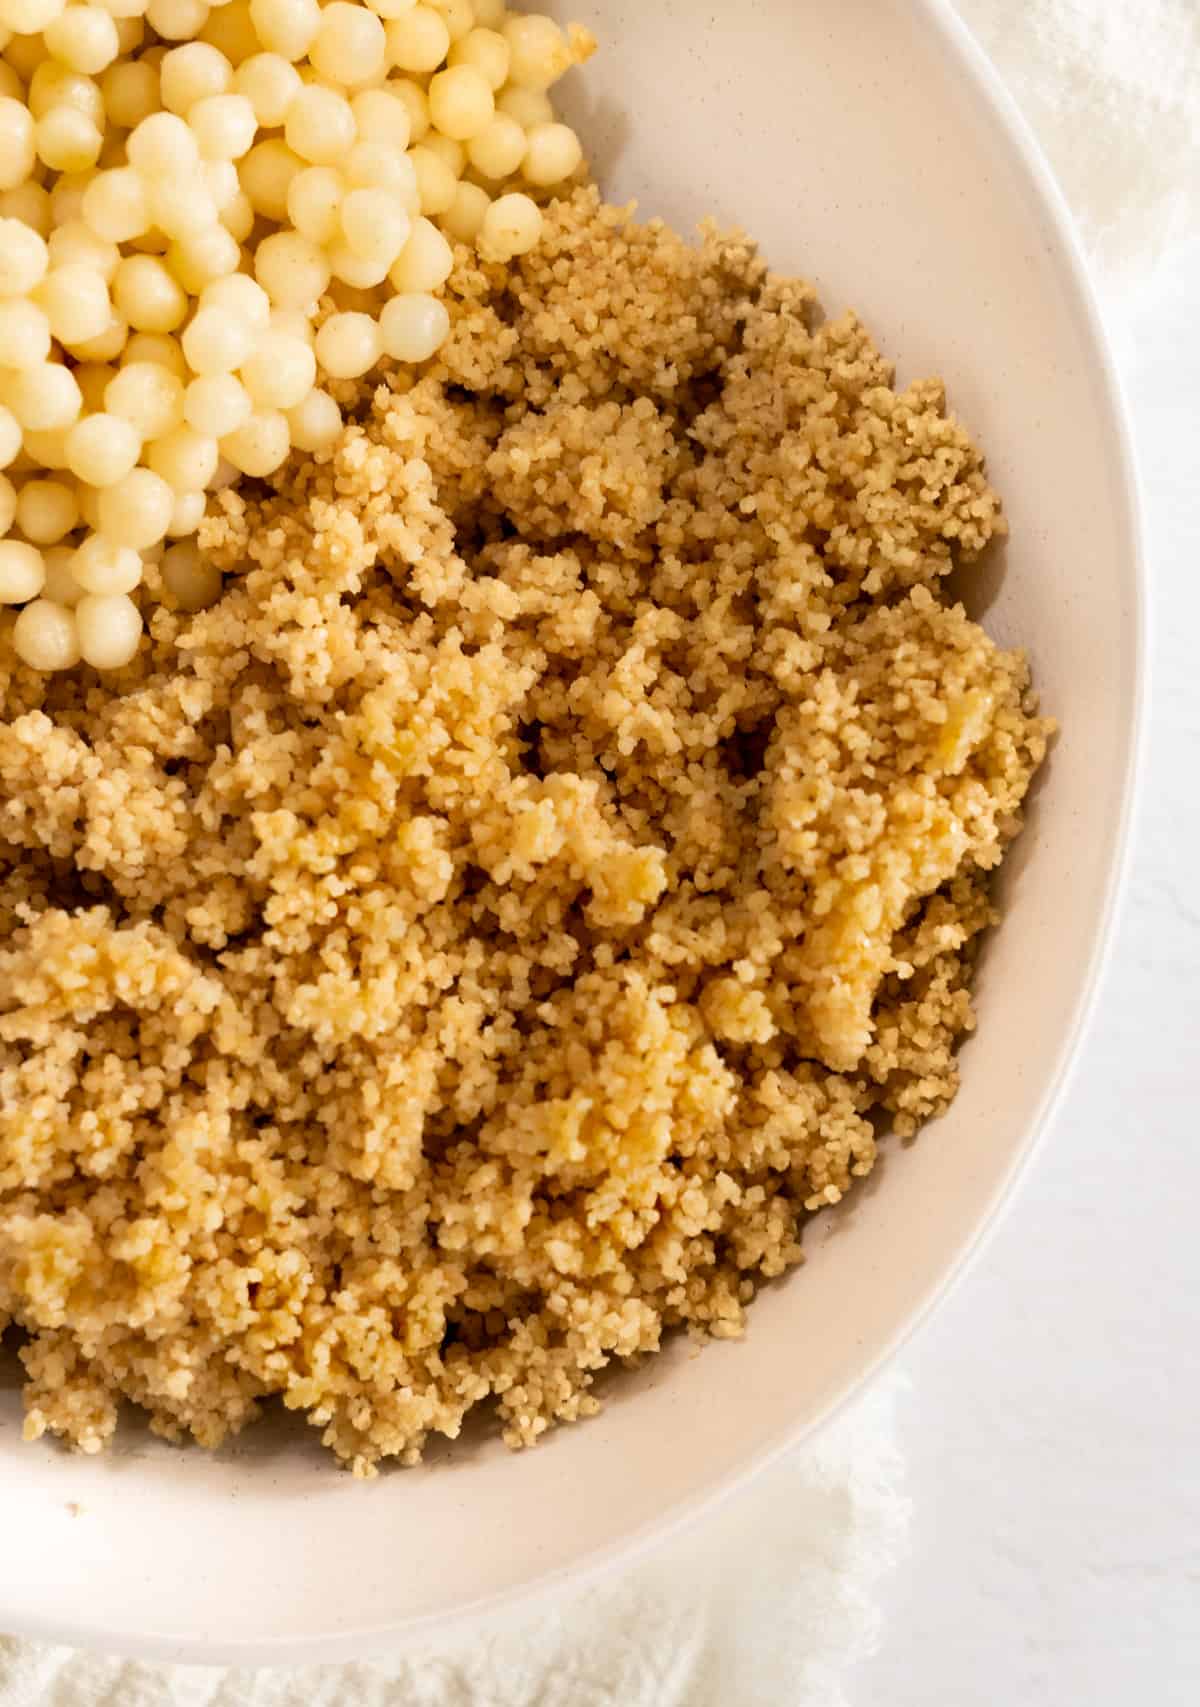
[{"x": 869, "y": 146}]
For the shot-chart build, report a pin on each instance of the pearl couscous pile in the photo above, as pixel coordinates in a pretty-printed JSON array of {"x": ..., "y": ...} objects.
[
  {"x": 207, "y": 215},
  {"x": 473, "y": 945}
]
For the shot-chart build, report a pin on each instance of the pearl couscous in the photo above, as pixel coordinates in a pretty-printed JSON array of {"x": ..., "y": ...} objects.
[
  {"x": 207, "y": 216},
  {"x": 545, "y": 830}
]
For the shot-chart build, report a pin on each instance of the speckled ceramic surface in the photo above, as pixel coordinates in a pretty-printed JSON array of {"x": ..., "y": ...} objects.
[{"x": 867, "y": 145}]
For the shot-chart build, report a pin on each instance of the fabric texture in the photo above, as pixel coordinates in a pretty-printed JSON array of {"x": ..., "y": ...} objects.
[
  {"x": 1111, "y": 89},
  {"x": 770, "y": 1600}
]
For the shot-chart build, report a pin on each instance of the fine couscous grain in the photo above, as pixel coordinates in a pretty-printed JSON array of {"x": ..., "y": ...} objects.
[{"x": 474, "y": 945}]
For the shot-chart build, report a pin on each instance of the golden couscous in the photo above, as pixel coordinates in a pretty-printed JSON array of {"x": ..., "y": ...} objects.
[{"x": 474, "y": 945}]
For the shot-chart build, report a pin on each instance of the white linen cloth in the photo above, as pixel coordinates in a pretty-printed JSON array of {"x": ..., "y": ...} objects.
[{"x": 770, "y": 1600}]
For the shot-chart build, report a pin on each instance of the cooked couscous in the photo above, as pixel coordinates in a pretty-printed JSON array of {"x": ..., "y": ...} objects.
[{"x": 474, "y": 945}]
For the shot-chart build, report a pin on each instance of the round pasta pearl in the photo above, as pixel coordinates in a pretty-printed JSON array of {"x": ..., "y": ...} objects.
[
  {"x": 527, "y": 106},
  {"x": 240, "y": 296},
  {"x": 539, "y": 50},
  {"x": 136, "y": 509},
  {"x": 205, "y": 256},
  {"x": 102, "y": 448},
  {"x": 356, "y": 270},
  {"x": 83, "y": 37},
  {"x": 148, "y": 395},
  {"x": 101, "y": 566},
  {"x": 67, "y": 140},
  {"x": 8, "y": 504},
  {"x": 314, "y": 201},
  {"x": 30, "y": 203},
  {"x": 416, "y": 103},
  {"x": 191, "y": 580},
  {"x": 487, "y": 51},
  {"x": 464, "y": 218},
  {"x": 56, "y": 85},
  {"x": 319, "y": 126},
  {"x": 380, "y": 116},
  {"x": 21, "y": 572},
  {"x": 281, "y": 371},
  {"x": 114, "y": 204},
  {"x": 10, "y": 437},
  {"x": 315, "y": 424},
  {"x": 191, "y": 73},
  {"x": 286, "y": 27},
  {"x": 266, "y": 173},
  {"x": 216, "y": 342},
  {"x": 554, "y": 153},
  {"x": 349, "y": 45},
  {"x": 130, "y": 89},
  {"x": 216, "y": 404},
  {"x": 499, "y": 148},
  {"x": 292, "y": 271},
  {"x": 17, "y": 153},
  {"x": 374, "y": 225},
  {"x": 511, "y": 226},
  {"x": 261, "y": 446},
  {"x": 461, "y": 102},
  {"x": 425, "y": 262},
  {"x": 75, "y": 302},
  {"x": 490, "y": 14},
  {"x": 185, "y": 459},
  {"x": 177, "y": 20},
  {"x": 109, "y": 628},
  {"x": 24, "y": 258},
  {"x": 47, "y": 510},
  {"x": 186, "y": 514},
  {"x": 145, "y": 292},
  {"x": 60, "y": 585},
  {"x": 418, "y": 40},
  {"x": 413, "y": 327},
  {"x": 436, "y": 182},
  {"x": 391, "y": 8},
  {"x": 224, "y": 126},
  {"x": 43, "y": 398},
  {"x": 24, "y": 333},
  {"x": 45, "y": 636},
  {"x": 160, "y": 350},
  {"x": 76, "y": 244},
  {"x": 162, "y": 146},
  {"x": 104, "y": 345},
  {"x": 347, "y": 345},
  {"x": 270, "y": 83}
]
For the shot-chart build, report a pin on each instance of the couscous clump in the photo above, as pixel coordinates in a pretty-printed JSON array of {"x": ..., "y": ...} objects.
[{"x": 473, "y": 946}]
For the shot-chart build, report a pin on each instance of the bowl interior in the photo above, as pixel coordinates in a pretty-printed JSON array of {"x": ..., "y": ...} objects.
[{"x": 865, "y": 146}]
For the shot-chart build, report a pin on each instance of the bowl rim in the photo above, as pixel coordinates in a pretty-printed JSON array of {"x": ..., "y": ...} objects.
[{"x": 388, "y": 1638}]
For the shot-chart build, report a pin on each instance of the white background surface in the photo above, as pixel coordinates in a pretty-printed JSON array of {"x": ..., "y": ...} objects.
[{"x": 1051, "y": 1423}]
